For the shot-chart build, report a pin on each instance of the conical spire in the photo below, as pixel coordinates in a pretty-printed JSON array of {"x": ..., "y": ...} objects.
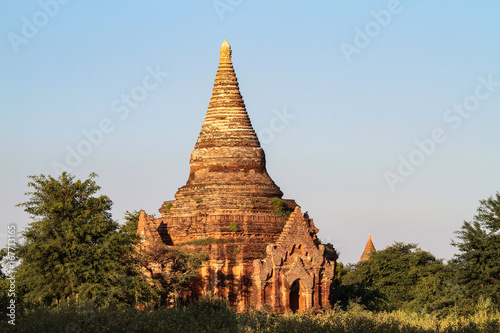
[
  {"x": 228, "y": 166},
  {"x": 226, "y": 123},
  {"x": 369, "y": 249}
]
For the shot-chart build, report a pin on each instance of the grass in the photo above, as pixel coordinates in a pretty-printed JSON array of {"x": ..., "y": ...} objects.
[
  {"x": 214, "y": 315},
  {"x": 205, "y": 241},
  {"x": 280, "y": 208},
  {"x": 233, "y": 227}
]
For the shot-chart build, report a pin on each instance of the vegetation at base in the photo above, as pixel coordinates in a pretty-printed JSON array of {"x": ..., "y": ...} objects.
[
  {"x": 404, "y": 277},
  {"x": 73, "y": 251},
  {"x": 478, "y": 262},
  {"x": 392, "y": 278},
  {"x": 73, "y": 248},
  {"x": 179, "y": 268},
  {"x": 214, "y": 315},
  {"x": 280, "y": 208}
]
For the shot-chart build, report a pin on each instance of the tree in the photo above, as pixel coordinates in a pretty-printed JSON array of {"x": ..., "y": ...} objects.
[
  {"x": 172, "y": 269},
  {"x": 345, "y": 291},
  {"x": 4, "y": 289},
  {"x": 478, "y": 262},
  {"x": 400, "y": 276},
  {"x": 73, "y": 248},
  {"x": 130, "y": 225}
]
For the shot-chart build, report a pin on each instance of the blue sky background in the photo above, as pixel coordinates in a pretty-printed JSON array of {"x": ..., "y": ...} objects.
[{"x": 352, "y": 119}]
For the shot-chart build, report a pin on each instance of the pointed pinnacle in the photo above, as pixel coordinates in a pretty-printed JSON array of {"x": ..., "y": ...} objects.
[{"x": 225, "y": 52}]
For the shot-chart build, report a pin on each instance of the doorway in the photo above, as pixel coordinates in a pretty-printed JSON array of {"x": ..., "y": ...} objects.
[{"x": 295, "y": 296}]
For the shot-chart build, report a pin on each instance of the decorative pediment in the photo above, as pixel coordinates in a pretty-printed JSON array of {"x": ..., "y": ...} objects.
[
  {"x": 296, "y": 244},
  {"x": 298, "y": 271}
]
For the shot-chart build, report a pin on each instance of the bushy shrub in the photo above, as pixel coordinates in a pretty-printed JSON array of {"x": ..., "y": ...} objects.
[
  {"x": 233, "y": 227},
  {"x": 280, "y": 208}
]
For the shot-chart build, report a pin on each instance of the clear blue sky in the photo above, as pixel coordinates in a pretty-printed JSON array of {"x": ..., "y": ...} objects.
[{"x": 363, "y": 80}]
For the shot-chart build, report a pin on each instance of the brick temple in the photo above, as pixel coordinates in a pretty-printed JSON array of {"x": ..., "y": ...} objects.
[{"x": 262, "y": 251}]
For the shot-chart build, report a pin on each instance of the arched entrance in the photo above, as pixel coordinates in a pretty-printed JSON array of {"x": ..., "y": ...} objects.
[{"x": 295, "y": 296}]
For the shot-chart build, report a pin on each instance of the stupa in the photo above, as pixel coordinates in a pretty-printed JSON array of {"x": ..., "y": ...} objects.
[
  {"x": 262, "y": 251},
  {"x": 369, "y": 250}
]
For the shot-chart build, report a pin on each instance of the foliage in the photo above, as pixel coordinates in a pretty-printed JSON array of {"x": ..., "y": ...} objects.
[
  {"x": 4, "y": 299},
  {"x": 214, "y": 315},
  {"x": 478, "y": 261},
  {"x": 340, "y": 271},
  {"x": 73, "y": 248},
  {"x": 171, "y": 268},
  {"x": 330, "y": 252},
  {"x": 400, "y": 276},
  {"x": 130, "y": 226},
  {"x": 233, "y": 227},
  {"x": 280, "y": 208},
  {"x": 169, "y": 206},
  {"x": 198, "y": 200},
  {"x": 403, "y": 276},
  {"x": 205, "y": 241}
]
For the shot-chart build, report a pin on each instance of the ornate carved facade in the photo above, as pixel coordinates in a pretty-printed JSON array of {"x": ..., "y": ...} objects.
[{"x": 262, "y": 251}]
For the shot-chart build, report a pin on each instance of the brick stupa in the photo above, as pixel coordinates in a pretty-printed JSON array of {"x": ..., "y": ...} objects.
[
  {"x": 262, "y": 251},
  {"x": 369, "y": 250}
]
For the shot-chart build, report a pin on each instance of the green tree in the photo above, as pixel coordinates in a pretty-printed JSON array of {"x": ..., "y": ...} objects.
[
  {"x": 478, "y": 262},
  {"x": 172, "y": 269},
  {"x": 73, "y": 248},
  {"x": 4, "y": 289},
  {"x": 401, "y": 276},
  {"x": 130, "y": 225}
]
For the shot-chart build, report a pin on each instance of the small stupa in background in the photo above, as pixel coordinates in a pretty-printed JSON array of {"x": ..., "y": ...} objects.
[{"x": 369, "y": 250}]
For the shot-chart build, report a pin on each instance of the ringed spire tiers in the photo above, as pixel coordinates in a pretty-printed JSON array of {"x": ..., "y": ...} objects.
[
  {"x": 227, "y": 164},
  {"x": 227, "y": 123}
]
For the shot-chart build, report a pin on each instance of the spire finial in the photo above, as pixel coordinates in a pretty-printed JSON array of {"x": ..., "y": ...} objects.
[{"x": 225, "y": 52}]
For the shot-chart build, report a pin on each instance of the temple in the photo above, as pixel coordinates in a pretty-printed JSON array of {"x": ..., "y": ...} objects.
[
  {"x": 369, "y": 250},
  {"x": 262, "y": 251}
]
